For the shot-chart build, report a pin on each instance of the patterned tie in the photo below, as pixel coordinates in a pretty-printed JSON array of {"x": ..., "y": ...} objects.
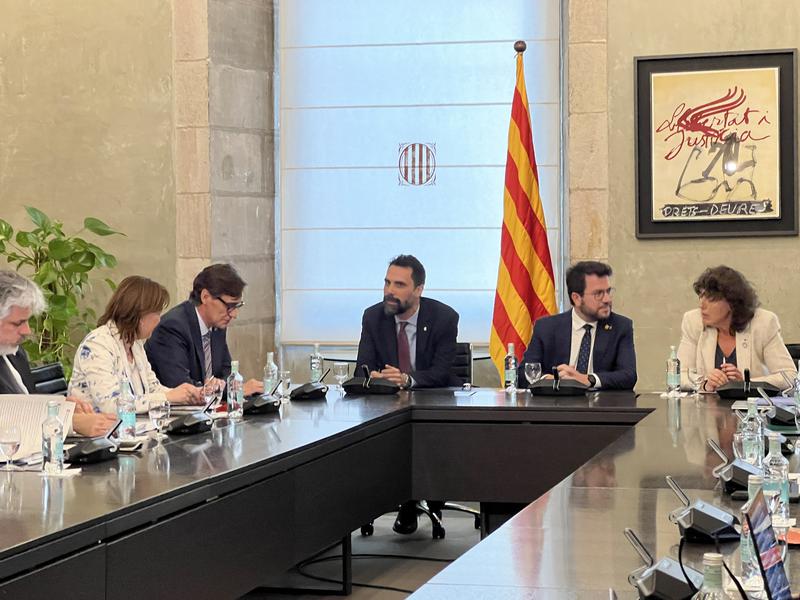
[
  {"x": 585, "y": 350},
  {"x": 403, "y": 351},
  {"x": 207, "y": 354}
]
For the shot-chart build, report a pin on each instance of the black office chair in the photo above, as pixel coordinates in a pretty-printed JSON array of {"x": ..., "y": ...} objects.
[
  {"x": 49, "y": 379},
  {"x": 461, "y": 369},
  {"x": 794, "y": 351}
]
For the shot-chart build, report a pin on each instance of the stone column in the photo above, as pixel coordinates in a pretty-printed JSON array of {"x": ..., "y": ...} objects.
[
  {"x": 588, "y": 130},
  {"x": 225, "y": 151},
  {"x": 242, "y": 157}
]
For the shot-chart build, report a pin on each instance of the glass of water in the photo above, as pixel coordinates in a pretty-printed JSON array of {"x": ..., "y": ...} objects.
[
  {"x": 286, "y": 384},
  {"x": 696, "y": 376},
  {"x": 340, "y": 374},
  {"x": 158, "y": 411},
  {"x": 10, "y": 440},
  {"x": 533, "y": 372}
]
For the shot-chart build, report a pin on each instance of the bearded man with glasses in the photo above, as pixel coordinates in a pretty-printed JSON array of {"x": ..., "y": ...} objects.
[
  {"x": 189, "y": 345},
  {"x": 588, "y": 343}
]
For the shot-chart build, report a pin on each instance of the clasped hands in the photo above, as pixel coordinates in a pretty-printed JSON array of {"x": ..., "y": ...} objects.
[
  {"x": 567, "y": 372},
  {"x": 393, "y": 374},
  {"x": 717, "y": 377}
]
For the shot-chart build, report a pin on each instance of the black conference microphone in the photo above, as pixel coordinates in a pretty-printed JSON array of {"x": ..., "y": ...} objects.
[
  {"x": 700, "y": 521},
  {"x": 556, "y": 379},
  {"x": 747, "y": 381},
  {"x": 260, "y": 404}
]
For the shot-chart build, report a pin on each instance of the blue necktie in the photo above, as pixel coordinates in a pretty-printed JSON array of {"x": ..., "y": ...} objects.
[{"x": 585, "y": 350}]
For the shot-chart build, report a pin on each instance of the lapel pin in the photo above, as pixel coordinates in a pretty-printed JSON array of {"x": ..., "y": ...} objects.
[
  {"x": 424, "y": 328},
  {"x": 607, "y": 327}
]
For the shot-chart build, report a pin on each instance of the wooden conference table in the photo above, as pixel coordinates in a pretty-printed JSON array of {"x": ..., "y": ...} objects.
[{"x": 218, "y": 514}]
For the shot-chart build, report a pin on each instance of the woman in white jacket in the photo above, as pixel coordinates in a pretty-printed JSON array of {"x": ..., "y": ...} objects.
[
  {"x": 116, "y": 349},
  {"x": 730, "y": 333}
]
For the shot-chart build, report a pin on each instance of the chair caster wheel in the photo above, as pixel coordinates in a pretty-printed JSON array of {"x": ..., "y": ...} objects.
[
  {"x": 367, "y": 530},
  {"x": 477, "y": 522},
  {"x": 438, "y": 533}
]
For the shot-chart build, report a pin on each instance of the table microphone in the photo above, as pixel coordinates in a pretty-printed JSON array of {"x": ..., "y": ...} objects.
[
  {"x": 746, "y": 381},
  {"x": 733, "y": 474},
  {"x": 702, "y": 522},
  {"x": 664, "y": 579},
  {"x": 556, "y": 379}
]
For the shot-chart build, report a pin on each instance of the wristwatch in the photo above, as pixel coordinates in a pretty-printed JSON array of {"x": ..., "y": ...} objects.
[{"x": 592, "y": 380}]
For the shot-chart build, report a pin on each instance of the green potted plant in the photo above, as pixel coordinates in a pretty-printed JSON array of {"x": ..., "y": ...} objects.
[{"x": 61, "y": 265}]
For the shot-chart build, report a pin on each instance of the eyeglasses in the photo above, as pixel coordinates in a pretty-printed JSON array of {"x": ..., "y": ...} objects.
[
  {"x": 230, "y": 306},
  {"x": 598, "y": 294}
]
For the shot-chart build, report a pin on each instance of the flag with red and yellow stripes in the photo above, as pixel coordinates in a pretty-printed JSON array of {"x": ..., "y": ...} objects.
[{"x": 525, "y": 283}]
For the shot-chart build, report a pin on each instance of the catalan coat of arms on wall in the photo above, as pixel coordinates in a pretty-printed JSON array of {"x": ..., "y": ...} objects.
[{"x": 416, "y": 164}]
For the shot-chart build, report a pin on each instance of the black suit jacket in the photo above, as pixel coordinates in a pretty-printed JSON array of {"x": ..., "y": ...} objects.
[
  {"x": 9, "y": 385},
  {"x": 613, "y": 359},
  {"x": 437, "y": 330},
  {"x": 175, "y": 350}
]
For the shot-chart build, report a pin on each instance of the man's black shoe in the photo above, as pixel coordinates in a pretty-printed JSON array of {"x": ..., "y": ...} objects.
[{"x": 406, "y": 521}]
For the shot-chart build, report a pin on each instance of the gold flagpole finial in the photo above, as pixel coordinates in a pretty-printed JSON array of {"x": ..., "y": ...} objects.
[{"x": 520, "y": 46}]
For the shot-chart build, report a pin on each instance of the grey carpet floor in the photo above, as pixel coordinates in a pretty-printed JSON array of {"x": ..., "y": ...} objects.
[{"x": 393, "y": 572}]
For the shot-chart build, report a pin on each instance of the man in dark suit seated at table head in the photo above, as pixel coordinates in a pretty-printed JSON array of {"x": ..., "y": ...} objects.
[
  {"x": 21, "y": 299},
  {"x": 190, "y": 345},
  {"x": 588, "y": 343},
  {"x": 409, "y": 339}
]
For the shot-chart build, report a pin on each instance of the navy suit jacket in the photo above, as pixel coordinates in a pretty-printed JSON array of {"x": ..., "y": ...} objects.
[
  {"x": 175, "y": 350},
  {"x": 437, "y": 330},
  {"x": 613, "y": 358},
  {"x": 8, "y": 385}
]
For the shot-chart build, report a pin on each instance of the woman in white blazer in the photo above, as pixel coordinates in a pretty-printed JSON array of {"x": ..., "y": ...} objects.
[
  {"x": 116, "y": 349},
  {"x": 729, "y": 334}
]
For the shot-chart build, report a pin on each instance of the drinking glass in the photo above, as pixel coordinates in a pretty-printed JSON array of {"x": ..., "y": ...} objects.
[
  {"x": 10, "y": 440},
  {"x": 158, "y": 411},
  {"x": 696, "y": 376},
  {"x": 340, "y": 373},
  {"x": 533, "y": 372},
  {"x": 286, "y": 384}
]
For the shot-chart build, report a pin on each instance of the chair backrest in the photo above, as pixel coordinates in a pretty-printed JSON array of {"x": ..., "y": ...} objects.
[
  {"x": 462, "y": 364},
  {"x": 794, "y": 351},
  {"x": 49, "y": 379}
]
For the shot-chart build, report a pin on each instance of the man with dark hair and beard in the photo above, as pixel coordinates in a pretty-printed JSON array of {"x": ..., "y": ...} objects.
[
  {"x": 411, "y": 341},
  {"x": 589, "y": 343}
]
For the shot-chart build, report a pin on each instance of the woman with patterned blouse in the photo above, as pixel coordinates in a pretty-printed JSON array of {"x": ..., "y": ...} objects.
[{"x": 116, "y": 349}]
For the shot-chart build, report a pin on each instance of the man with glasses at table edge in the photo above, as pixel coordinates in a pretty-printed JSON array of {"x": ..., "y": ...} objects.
[
  {"x": 189, "y": 345},
  {"x": 588, "y": 343}
]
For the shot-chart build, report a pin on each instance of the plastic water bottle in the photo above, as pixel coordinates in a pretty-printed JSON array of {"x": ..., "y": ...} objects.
[
  {"x": 315, "y": 364},
  {"x": 751, "y": 574},
  {"x": 52, "y": 440},
  {"x": 673, "y": 373},
  {"x": 753, "y": 434},
  {"x": 235, "y": 392},
  {"x": 510, "y": 367},
  {"x": 776, "y": 479},
  {"x": 126, "y": 410},
  {"x": 270, "y": 373},
  {"x": 712, "y": 578}
]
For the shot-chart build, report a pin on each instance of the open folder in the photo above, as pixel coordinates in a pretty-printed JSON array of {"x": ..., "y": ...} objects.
[{"x": 28, "y": 412}]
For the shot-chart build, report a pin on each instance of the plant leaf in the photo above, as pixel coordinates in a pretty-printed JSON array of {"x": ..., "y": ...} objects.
[
  {"x": 111, "y": 284},
  {"x": 98, "y": 227},
  {"x": 60, "y": 249},
  {"x": 26, "y": 239},
  {"x": 80, "y": 262},
  {"x": 46, "y": 275},
  {"x": 6, "y": 231},
  {"x": 38, "y": 217}
]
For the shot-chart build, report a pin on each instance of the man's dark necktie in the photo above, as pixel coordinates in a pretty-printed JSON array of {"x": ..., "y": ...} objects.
[
  {"x": 207, "y": 354},
  {"x": 403, "y": 351},
  {"x": 585, "y": 350}
]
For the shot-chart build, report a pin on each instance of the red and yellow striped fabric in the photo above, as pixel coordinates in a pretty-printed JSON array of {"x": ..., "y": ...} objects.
[{"x": 525, "y": 283}]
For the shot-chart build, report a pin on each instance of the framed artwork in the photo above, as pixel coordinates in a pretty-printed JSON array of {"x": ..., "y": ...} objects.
[{"x": 715, "y": 145}]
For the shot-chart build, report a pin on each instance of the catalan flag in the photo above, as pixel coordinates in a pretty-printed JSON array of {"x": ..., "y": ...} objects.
[{"x": 525, "y": 283}]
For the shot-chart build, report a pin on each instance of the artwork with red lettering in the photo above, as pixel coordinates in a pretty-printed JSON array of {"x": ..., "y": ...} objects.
[{"x": 715, "y": 145}]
